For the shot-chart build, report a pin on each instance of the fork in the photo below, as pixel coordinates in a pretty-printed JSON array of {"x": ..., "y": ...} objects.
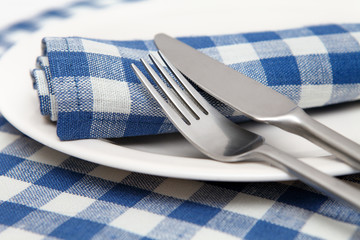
[{"x": 221, "y": 139}]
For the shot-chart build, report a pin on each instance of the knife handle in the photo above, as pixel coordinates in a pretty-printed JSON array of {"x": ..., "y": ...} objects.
[
  {"x": 299, "y": 122},
  {"x": 331, "y": 186}
]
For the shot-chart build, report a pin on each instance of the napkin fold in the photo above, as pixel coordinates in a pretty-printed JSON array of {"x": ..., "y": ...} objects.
[{"x": 87, "y": 86}]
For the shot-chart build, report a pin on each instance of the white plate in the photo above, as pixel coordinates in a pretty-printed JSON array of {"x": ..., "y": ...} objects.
[{"x": 169, "y": 155}]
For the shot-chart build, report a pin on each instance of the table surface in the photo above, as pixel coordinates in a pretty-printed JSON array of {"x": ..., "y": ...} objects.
[{"x": 47, "y": 194}]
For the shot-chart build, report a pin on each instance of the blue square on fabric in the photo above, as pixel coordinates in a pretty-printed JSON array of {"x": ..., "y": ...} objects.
[
  {"x": 345, "y": 67},
  {"x": 315, "y": 69},
  {"x": 29, "y": 171},
  {"x": 102, "y": 212},
  {"x": 198, "y": 42},
  {"x": 134, "y": 44},
  {"x": 10, "y": 213},
  {"x": 294, "y": 33},
  {"x": 337, "y": 210},
  {"x": 124, "y": 195},
  {"x": 8, "y": 162},
  {"x": 22, "y": 147},
  {"x": 35, "y": 196},
  {"x": 143, "y": 125},
  {"x": 268, "y": 231},
  {"x": 344, "y": 91},
  {"x": 261, "y": 36},
  {"x": 158, "y": 203},
  {"x": 290, "y": 217},
  {"x": 232, "y": 223},
  {"x": 252, "y": 69},
  {"x": 302, "y": 198},
  {"x": 340, "y": 43},
  {"x": 272, "y": 49},
  {"x": 173, "y": 229},
  {"x": 59, "y": 179},
  {"x": 79, "y": 128},
  {"x": 351, "y": 27},
  {"x": 281, "y": 71},
  {"x": 65, "y": 64},
  {"x": 41, "y": 222},
  {"x": 194, "y": 213},
  {"x": 44, "y": 105},
  {"x": 91, "y": 187},
  {"x": 229, "y": 39},
  {"x": 77, "y": 229},
  {"x": 327, "y": 29}
]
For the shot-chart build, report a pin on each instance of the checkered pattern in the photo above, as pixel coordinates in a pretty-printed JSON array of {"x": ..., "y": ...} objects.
[
  {"x": 45, "y": 193},
  {"x": 88, "y": 87}
]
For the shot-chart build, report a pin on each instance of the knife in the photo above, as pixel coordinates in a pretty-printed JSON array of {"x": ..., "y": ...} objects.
[{"x": 253, "y": 99}]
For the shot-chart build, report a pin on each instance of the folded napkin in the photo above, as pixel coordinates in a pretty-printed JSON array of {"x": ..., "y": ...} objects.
[{"x": 88, "y": 87}]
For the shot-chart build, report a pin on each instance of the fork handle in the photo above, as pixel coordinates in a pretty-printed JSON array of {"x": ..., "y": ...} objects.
[
  {"x": 300, "y": 123},
  {"x": 326, "y": 184}
]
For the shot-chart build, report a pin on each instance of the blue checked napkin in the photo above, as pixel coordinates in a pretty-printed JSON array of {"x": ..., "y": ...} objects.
[{"x": 88, "y": 87}]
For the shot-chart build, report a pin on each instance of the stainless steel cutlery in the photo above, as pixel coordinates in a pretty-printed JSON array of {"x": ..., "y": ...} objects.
[
  {"x": 254, "y": 99},
  {"x": 225, "y": 141}
]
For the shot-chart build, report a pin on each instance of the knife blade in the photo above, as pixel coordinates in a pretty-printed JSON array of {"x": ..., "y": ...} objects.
[{"x": 254, "y": 99}]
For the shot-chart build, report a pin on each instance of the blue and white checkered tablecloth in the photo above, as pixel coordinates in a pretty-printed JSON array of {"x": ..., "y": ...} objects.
[{"x": 45, "y": 194}]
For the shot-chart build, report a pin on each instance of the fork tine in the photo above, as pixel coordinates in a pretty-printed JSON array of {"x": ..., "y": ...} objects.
[
  {"x": 188, "y": 100},
  {"x": 178, "y": 120},
  {"x": 168, "y": 92},
  {"x": 195, "y": 95}
]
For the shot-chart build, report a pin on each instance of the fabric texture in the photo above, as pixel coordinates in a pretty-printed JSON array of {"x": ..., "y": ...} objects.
[
  {"x": 88, "y": 87},
  {"x": 45, "y": 194}
]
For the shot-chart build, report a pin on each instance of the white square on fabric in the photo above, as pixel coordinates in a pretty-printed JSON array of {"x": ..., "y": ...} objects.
[
  {"x": 19, "y": 234},
  {"x": 249, "y": 205},
  {"x": 137, "y": 221},
  {"x": 110, "y": 96},
  {"x": 68, "y": 204},
  {"x": 178, "y": 188},
  {"x": 6, "y": 139},
  {"x": 100, "y": 48},
  {"x": 110, "y": 174},
  {"x": 43, "y": 87},
  {"x": 48, "y": 156},
  {"x": 305, "y": 45},
  {"x": 327, "y": 228},
  {"x": 356, "y": 35},
  {"x": 10, "y": 187},
  {"x": 237, "y": 53},
  {"x": 322, "y": 92},
  {"x": 206, "y": 234}
]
